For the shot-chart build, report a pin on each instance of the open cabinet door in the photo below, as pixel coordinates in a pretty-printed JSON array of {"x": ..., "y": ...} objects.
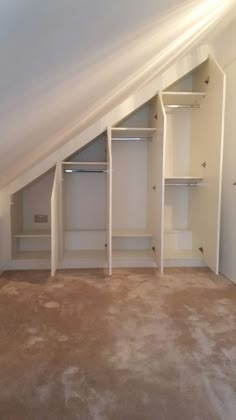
[
  {"x": 55, "y": 221},
  {"x": 207, "y": 155},
  {"x": 109, "y": 202},
  {"x": 157, "y": 159}
]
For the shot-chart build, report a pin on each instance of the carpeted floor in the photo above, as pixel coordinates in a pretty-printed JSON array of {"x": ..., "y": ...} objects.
[{"x": 131, "y": 347}]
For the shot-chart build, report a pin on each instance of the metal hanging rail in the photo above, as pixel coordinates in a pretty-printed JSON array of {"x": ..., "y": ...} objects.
[{"x": 72, "y": 171}]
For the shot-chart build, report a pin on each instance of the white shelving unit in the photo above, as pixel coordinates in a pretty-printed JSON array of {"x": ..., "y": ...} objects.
[
  {"x": 175, "y": 99},
  {"x": 144, "y": 193}
]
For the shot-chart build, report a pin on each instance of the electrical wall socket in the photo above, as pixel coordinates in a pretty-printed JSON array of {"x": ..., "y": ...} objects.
[{"x": 40, "y": 218}]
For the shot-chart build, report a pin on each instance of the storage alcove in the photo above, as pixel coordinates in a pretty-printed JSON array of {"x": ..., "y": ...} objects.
[
  {"x": 145, "y": 193},
  {"x": 31, "y": 220},
  {"x": 193, "y": 153},
  {"x": 134, "y": 143},
  {"x": 84, "y": 206}
]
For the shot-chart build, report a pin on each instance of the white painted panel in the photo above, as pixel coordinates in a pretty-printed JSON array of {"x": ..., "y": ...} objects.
[
  {"x": 55, "y": 222},
  {"x": 109, "y": 202},
  {"x": 130, "y": 168},
  {"x": 157, "y": 173},
  {"x": 178, "y": 142},
  {"x": 36, "y": 200},
  {"x": 84, "y": 201},
  {"x": 84, "y": 240},
  {"x": 176, "y": 207},
  {"x": 228, "y": 228},
  {"x": 207, "y": 142},
  {"x": 94, "y": 151}
]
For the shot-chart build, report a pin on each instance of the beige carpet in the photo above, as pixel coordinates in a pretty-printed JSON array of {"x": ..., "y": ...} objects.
[{"x": 131, "y": 347}]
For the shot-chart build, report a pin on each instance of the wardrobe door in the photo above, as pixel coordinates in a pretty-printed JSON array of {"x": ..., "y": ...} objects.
[
  {"x": 207, "y": 151},
  {"x": 109, "y": 202},
  {"x": 55, "y": 221},
  {"x": 158, "y": 147}
]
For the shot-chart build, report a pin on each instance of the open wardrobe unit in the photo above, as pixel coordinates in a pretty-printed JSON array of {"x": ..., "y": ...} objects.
[{"x": 145, "y": 193}]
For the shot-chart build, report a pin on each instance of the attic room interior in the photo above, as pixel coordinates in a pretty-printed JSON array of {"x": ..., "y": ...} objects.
[{"x": 118, "y": 210}]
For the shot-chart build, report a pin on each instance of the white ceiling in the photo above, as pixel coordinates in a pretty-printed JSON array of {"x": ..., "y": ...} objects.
[{"x": 62, "y": 60}]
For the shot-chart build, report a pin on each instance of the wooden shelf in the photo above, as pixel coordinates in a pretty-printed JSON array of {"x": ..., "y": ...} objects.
[
  {"x": 132, "y": 133},
  {"x": 183, "y": 98},
  {"x": 33, "y": 234},
  {"x": 183, "y": 180},
  {"x": 32, "y": 255},
  {"x": 130, "y": 233}
]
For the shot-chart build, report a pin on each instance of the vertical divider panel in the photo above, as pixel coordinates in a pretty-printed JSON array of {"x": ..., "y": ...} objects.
[
  {"x": 207, "y": 150},
  {"x": 158, "y": 162},
  {"x": 55, "y": 222},
  {"x": 109, "y": 201}
]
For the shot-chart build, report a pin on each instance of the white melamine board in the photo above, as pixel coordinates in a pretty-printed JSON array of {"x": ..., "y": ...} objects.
[
  {"x": 228, "y": 224},
  {"x": 109, "y": 201},
  {"x": 132, "y": 132},
  {"x": 84, "y": 201},
  {"x": 183, "y": 180},
  {"x": 183, "y": 98},
  {"x": 207, "y": 143},
  {"x": 33, "y": 234},
  {"x": 178, "y": 142},
  {"x": 55, "y": 217},
  {"x": 95, "y": 151},
  {"x": 157, "y": 175},
  {"x": 36, "y": 200},
  {"x": 131, "y": 233},
  {"x": 176, "y": 208},
  {"x": 87, "y": 240},
  {"x": 130, "y": 185},
  {"x": 139, "y": 118},
  {"x": 16, "y": 209}
]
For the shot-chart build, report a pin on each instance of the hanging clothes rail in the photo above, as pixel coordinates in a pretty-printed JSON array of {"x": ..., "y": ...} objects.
[{"x": 70, "y": 171}]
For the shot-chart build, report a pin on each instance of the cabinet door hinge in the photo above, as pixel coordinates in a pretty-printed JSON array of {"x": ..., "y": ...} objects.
[
  {"x": 207, "y": 81},
  {"x": 201, "y": 249},
  {"x": 156, "y": 117}
]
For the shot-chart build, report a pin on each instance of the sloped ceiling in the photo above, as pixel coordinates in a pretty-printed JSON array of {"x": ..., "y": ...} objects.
[{"x": 63, "y": 62}]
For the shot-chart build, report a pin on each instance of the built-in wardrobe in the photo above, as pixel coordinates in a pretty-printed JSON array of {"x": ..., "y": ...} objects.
[{"x": 145, "y": 193}]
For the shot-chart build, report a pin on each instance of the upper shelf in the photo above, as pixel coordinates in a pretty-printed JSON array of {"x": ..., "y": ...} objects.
[
  {"x": 183, "y": 98},
  {"x": 183, "y": 180},
  {"x": 33, "y": 234},
  {"x": 132, "y": 133}
]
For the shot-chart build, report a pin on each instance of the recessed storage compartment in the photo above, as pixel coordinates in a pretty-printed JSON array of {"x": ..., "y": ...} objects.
[
  {"x": 145, "y": 193},
  {"x": 193, "y": 169},
  {"x": 31, "y": 219},
  {"x": 132, "y": 192},
  {"x": 84, "y": 192}
]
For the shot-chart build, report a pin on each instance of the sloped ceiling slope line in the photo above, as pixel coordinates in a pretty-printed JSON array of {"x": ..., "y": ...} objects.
[
  {"x": 60, "y": 98},
  {"x": 176, "y": 71}
]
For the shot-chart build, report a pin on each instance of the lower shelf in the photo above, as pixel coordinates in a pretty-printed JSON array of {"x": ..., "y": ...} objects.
[
  {"x": 32, "y": 255},
  {"x": 183, "y": 258}
]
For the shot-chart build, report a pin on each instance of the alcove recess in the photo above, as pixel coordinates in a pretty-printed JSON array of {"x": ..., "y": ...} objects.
[
  {"x": 134, "y": 143},
  {"x": 31, "y": 219},
  {"x": 193, "y": 150},
  {"x": 84, "y": 205}
]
